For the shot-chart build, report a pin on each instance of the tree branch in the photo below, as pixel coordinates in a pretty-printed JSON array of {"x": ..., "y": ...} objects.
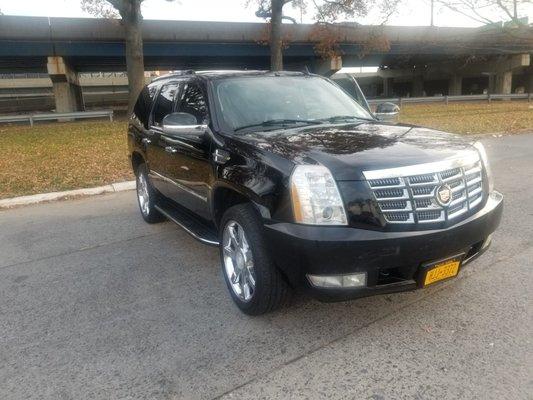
[
  {"x": 117, "y": 4},
  {"x": 456, "y": 8},
  {"x": 506, "y": 10}
]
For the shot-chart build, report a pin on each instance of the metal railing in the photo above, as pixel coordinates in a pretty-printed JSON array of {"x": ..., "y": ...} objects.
[
  {"x": 11, "y": 96},
  {"x": 27, "y": 75},
  {"x": 31, "y": 118},
  {"x": 34, "y": 75},
  {"x": 447, "y": 99}
]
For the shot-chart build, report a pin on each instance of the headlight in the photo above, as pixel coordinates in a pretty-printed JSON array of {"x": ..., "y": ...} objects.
[
  {"x": 483, "y": 154},
  {"x": 315, "y": 197}
]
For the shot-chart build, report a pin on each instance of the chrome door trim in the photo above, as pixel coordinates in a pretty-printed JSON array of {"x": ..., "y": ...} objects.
[
  {"x": 177, "y": 184},
  {"x": 177, "y": 142},
  {"x": 179, "y": 129}
]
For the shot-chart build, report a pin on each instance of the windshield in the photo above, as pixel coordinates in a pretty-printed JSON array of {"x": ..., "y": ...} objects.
[{"x": 257, "y": 103}]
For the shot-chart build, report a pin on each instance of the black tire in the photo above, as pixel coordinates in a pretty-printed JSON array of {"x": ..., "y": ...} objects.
[
  {"x": 148, "y": 210},
  {"x": 271, "y": 290}
]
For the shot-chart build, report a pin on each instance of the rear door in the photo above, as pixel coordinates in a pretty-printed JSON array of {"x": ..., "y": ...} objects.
[
  {"x": 139, "y": 123},
  {"x": 157, "y": 151}
]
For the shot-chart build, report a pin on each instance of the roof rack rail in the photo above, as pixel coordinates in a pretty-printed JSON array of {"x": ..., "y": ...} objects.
[{"x": 175, "y": 73}]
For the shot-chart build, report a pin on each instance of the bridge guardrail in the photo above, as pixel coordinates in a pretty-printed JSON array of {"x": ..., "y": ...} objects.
[
  {"x": 447, "y": 99},
  {"x": 31, "y": 118}
]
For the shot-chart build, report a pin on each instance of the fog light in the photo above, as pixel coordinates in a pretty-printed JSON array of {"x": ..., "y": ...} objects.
[{"x": 338, "y": 281}]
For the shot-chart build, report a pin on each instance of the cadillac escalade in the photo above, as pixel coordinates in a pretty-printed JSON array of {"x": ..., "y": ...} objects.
[{"x": 301, "y": 186}]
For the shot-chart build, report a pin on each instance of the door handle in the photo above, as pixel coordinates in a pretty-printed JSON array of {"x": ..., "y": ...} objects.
[
  {"x": 170, "y": 149},
  {"x": 146, "y": 141}
]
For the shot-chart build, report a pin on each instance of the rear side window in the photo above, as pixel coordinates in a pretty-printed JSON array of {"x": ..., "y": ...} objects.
[
  {"x": 141, "y": 111},
  {"x": 193, "y": 101},
  {"x": 164, "y": 103}
]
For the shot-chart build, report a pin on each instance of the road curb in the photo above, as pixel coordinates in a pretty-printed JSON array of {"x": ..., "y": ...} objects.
[{"x": 45, "y": 197}]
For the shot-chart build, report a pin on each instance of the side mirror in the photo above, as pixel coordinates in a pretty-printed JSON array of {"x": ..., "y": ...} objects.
[
  {"x": 387, "y": 112},
  {"x": 181, "y": 123}
]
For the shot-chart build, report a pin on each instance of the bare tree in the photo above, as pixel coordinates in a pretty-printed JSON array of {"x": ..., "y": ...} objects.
[
  {"x": 131, "y": 19},
  {"x": 484, "y": 11},
  {"x": 326, "y": 12}
]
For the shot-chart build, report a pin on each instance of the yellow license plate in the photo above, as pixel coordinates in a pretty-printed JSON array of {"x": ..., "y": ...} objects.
[{"x": 442, "y": 270}]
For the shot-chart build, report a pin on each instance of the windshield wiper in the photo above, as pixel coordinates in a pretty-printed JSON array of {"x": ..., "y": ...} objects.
[
  {"x": 339, "y": 118},
  {"x": 274, "y": 122}
]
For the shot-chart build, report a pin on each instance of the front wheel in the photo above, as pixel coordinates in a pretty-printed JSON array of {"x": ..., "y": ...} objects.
[
  {"x": 146, "y": 196},
  {"x": 254, "y": 282}
]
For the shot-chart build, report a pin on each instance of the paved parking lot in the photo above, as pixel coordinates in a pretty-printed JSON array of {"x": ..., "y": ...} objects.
[{"x": 96, "y": 304}]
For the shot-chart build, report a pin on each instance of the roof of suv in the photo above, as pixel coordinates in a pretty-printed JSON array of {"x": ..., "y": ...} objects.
[{"x": 216, "y": 74}]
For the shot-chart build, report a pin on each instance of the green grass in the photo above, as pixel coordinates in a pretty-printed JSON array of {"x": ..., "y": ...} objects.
[{"x": 62, "y": 156}]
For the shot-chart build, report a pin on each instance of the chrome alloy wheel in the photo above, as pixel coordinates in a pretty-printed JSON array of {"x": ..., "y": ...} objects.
[
  {"x": 238, "y": 261},
  {"x": 142, "y": 194}
]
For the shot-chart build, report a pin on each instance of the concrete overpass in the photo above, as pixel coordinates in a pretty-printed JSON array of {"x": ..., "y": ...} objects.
[{"x": 64, "y": 46}]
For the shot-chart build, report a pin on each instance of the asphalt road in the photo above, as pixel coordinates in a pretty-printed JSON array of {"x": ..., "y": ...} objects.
[{"x": 96, "y": 304}]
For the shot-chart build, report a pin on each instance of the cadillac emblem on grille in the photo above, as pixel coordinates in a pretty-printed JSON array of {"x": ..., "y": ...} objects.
[
  {"x": 444, "y": 195},
  {"x": 428, "y": 193}
]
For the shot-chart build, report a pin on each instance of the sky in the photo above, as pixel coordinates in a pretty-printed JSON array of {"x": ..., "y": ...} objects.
[{"x": 412, "y": 12}]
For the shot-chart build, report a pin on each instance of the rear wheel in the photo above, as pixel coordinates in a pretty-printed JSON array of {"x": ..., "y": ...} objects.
[
  {"x": 254, "y": 282},
  {"x": 146, "y": 196}
]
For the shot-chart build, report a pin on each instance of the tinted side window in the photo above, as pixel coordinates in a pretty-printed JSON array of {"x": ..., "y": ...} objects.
[
  {"x": 194, "y": 102},
  {"x": 164, "y": 104},
  {"x": 141, "y": 111}
]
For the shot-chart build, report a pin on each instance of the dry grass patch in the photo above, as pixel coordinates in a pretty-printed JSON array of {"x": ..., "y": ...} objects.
[
  {"x": 472, "y": 118},
  {"x": 62, "y": 156}
]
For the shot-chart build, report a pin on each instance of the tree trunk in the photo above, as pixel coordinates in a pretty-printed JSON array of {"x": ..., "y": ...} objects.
[
  {"x": 276, "y": 50},
  {"x": 132, "y": 20}
]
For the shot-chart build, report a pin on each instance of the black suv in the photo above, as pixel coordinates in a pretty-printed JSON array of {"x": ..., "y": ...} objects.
[{"x": 300, "y": 185}]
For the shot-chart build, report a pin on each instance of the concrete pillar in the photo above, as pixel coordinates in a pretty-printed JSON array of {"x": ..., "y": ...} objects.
[
  {"x": 67, "y": 91},
  {"x": 503, "y": 82},
  {"x": 455, "y": 85},
  {"x": 492, "y": 84},
  {"x": 328, "y": 66},
  {"x": 529, "y": 83},
  {"x": 417, "y": 89},
  {"x": 388, "y": 89}
]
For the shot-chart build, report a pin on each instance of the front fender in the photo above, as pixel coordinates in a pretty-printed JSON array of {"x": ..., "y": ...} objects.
[
  {"x": 259, "y": 176},
  {"x": 245, "y": 192}
]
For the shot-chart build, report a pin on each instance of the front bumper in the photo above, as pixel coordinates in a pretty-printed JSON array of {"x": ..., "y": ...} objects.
[{"x": 391, "y": 260}]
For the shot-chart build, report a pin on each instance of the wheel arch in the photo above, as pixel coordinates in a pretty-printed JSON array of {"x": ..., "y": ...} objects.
[
  {"x": 225, "y": 196},
  {"x": 137, "y": 159}
]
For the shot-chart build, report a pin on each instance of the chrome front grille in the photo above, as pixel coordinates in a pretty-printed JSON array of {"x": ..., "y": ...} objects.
[{"x": 408, "y": 195}]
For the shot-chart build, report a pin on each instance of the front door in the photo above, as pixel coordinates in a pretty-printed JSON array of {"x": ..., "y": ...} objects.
[{"x": 188, "y": 155}]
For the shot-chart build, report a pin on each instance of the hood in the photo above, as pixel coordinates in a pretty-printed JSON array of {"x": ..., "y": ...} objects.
[{"x": 348, "y": 150}]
